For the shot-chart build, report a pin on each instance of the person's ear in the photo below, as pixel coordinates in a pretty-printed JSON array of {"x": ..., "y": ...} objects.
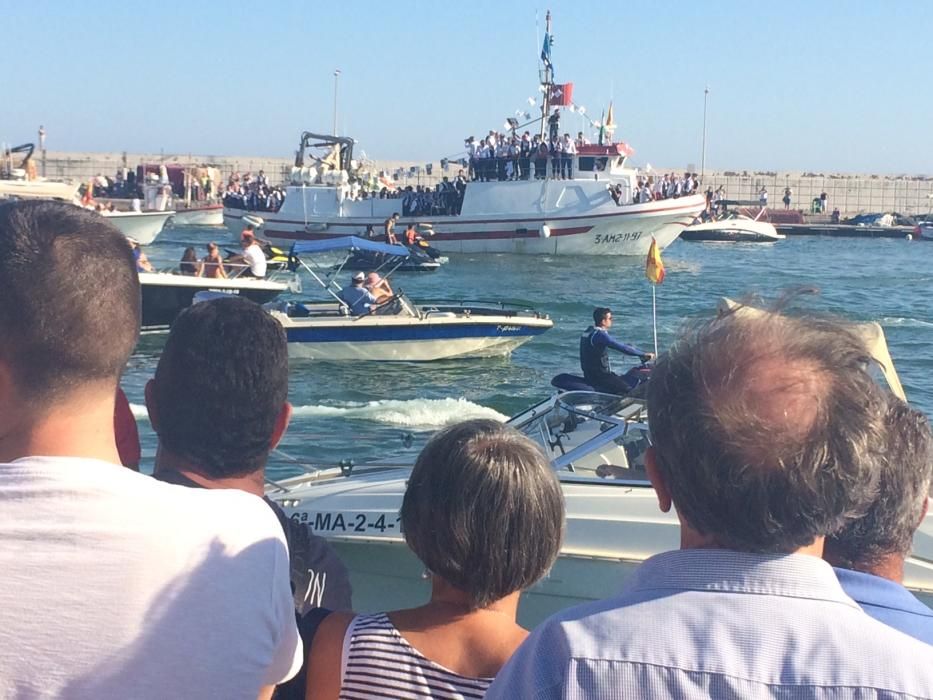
[
  {"x": 281, "y": 425},
  {"x": 657, "y": 480},
  {"x": 151, "y": 408}
]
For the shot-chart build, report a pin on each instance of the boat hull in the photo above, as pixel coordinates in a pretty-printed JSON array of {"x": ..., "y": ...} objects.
[
  {"x": 610, "y": 529},
  {"x": 142, "y": 227},
  {"x": 38, "y": 189},
  {"x": 407, "y": 339},
  {"x": 199, "y": 216},
  {"x": 164, "y": 295},
  {"x": 733, "y": 231},
  {"x": 552, "y": 218}
]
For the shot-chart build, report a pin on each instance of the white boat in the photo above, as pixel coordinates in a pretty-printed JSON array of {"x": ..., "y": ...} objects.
[
  {"x": 198, "y": 215},
  {"x": 733, "y": 227},
  {"x": 167, "y": 294},
  {"x": 596, "y": 443},
  {"x": 20, "y": 181},
  {"x": 398, "y": 330},
  {"x": 547, "y": 216},
  {"x": 40, "y": 188},
  {"x": 142, "y": 226},
  {"x": 924, "y": 229}
]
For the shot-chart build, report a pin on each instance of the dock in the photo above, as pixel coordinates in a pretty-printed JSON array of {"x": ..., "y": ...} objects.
[{"x": 845, "y": 230}]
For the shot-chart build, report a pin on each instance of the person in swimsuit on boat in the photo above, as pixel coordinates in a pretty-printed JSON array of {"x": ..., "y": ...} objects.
[
  {"x": 389, "y": 227},
  {"x": 212, "y": 265}
]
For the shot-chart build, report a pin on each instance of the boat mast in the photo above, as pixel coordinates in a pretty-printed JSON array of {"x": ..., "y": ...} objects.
[{"x": 546, "y": 75}]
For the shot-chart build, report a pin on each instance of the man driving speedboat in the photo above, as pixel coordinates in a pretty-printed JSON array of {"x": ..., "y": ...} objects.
[
  {"x": 356, "y": 296},
  {"x": 594, "y": 355}
]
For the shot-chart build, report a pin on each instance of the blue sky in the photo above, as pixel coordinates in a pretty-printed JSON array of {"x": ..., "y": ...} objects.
[{"x": 827, "y": 86}]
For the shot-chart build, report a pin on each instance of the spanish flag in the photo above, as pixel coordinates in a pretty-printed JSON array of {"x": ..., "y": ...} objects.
[{"x": 654, "y": 267}]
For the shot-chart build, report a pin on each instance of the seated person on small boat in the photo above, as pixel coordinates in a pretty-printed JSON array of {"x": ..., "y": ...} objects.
[
  {"x": 379, "y": 287},
  {"x": 411, "y": 235},
  {"x": 253, "y": 255},
  {"x": 356, "y": 296},
  {"x": 594, "y": 356},
  {"x": 142, "y": 262},
  {"x": 189, "y": 262},
  {"x": 211, "y": 264}
]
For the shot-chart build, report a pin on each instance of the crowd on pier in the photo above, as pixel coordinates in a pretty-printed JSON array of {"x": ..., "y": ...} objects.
[{"x": 798, "y": 483}]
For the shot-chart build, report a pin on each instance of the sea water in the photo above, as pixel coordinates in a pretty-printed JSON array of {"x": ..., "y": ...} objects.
[{"x": 364, "y": 411}]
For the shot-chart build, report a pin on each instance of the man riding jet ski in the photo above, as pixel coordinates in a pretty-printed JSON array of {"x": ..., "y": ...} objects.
[{"x": 594, "y": 360}]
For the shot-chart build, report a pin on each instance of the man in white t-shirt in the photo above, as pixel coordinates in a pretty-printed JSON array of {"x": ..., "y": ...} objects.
[
  {"x": 114, "y": 585},
  {"x": 253, "y": 255}
]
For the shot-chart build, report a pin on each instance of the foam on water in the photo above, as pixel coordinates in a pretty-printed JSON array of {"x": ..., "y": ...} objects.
[
  {"x": 906, "y": 322},
  {"x": 422, "y": 413}
]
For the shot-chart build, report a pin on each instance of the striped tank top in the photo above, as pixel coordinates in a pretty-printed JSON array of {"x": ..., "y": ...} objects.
[{"x": 378, "y": 663}]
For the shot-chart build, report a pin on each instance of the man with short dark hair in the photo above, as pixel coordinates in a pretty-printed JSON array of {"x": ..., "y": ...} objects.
[
  {"x": 114, "y": 584},
  {"x": 869, "y": 553},
  {"x": 595, "y": 344},
  {"x": 763, "y": 429},
  {"x": 219, "y": 408}
]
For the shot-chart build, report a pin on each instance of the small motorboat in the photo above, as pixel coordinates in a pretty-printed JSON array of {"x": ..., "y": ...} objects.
[
  {"x": 733, "y": 227},
  {"x": 167, "y": 294},
  {"x": 398, "y": 329}
]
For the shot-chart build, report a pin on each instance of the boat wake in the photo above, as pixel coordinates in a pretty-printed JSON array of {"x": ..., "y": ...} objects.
[
  {"x": 421, "y": 413},
  {"x": 906, "y": 322},
  {"x": 415, "y": 413}
]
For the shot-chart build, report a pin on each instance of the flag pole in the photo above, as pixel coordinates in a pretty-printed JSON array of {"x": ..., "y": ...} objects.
[{"x": 654, "y": 317}]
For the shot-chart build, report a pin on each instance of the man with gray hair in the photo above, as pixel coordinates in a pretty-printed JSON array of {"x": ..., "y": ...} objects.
[
  {"x": 764, "y": 431},
  {"x": 869, "y": 553}
]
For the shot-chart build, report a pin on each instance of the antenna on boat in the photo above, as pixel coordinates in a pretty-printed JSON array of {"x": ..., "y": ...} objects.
[{"x": 546, "y": 75}]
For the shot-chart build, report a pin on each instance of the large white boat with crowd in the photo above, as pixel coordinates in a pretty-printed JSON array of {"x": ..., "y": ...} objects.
[{"x": 594, "y": 212}]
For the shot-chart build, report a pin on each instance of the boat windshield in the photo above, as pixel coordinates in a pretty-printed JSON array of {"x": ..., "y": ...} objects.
[{"x": 590, "y": 436}]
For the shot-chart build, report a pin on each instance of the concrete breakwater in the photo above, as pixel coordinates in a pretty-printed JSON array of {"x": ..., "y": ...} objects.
[{"x": 851, "y": 193}]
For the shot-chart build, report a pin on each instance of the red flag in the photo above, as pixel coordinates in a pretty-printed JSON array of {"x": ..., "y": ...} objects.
[
  {"x": 561, "y": 95},
  {"x": 654, "y": 267}
]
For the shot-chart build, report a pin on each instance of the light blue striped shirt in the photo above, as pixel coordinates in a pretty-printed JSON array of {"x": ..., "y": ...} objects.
[{"x": 710, "y": 623}]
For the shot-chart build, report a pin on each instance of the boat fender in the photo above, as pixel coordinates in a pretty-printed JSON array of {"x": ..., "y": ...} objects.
[
  {"x": 910, "y": 237},
  {"x": 545, "y": 231},
  {"x": 254, "y": 221}
]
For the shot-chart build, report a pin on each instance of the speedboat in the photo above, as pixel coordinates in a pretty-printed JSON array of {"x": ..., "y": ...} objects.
[
  {"x": 592, "y": 210},
  {"x": 399, "y": 329},
  {"x": 733, "y": 227},
  {"x": 22, "y": 182},
  {"x": 167, "y": 294},
  {"x": 596, "y": 444},
  {"x": 142, "y": 226}
]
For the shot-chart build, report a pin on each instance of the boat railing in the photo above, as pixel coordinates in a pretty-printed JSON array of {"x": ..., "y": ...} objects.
[{"x": 480, "y": 307}]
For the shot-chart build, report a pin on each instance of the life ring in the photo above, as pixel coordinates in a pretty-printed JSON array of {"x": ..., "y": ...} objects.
[{"x": 544, "y": 231}]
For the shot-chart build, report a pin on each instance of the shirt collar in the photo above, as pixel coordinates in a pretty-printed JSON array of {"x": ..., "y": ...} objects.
[
  {"x": 868, "y": 589},
  {"x": 723, "y": 570}
]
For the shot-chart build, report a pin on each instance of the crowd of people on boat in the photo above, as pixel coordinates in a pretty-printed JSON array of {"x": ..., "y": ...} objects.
[
  {"x": 798, "y": 482},
  {"x": 499, "y": 157},
  {"x": 251, "y": 193}
]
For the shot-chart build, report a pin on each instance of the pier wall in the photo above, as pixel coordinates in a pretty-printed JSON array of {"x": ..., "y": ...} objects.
[{"x": 851, "y": 193}]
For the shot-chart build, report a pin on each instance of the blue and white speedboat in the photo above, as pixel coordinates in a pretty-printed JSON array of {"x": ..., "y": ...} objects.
[{"x": 398, "y": 329}]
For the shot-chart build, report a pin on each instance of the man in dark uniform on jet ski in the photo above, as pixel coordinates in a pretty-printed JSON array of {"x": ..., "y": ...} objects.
[{"x": 594, "y": 354}]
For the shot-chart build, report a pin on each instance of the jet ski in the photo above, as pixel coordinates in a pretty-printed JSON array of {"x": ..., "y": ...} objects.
[{"x": 636, "y": 377}]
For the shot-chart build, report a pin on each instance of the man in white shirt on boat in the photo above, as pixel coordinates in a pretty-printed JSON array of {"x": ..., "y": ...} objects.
[
  {"x": 114, "y": 585},
  {"x": 253, "y": 256}
]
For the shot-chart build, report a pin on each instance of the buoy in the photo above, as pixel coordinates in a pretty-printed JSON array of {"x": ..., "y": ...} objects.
[
  {"x": 545, "y": 231},
  {"x": 910, "y": 237}
]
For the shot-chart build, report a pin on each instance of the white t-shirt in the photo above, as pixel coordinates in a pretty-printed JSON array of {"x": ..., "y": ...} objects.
[
  {"x": 256, "y": 260},
  {"x": 115, "y": 585}
]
